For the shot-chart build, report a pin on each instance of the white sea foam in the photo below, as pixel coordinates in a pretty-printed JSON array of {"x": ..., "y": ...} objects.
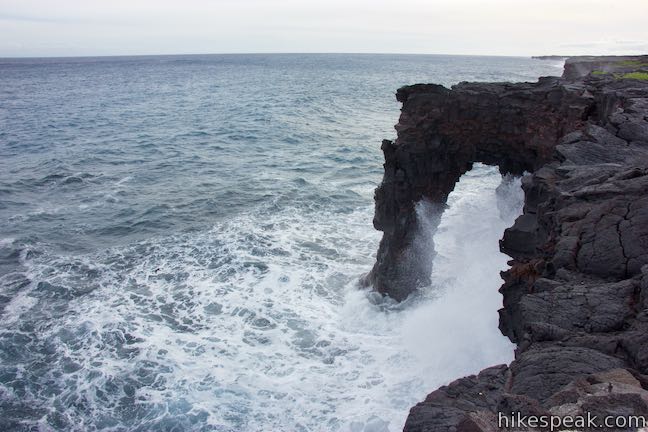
[
  {"x": 259, "y": 325},
  {"x": 19, "y": 304},
  {"x": 6, "y": 241}
]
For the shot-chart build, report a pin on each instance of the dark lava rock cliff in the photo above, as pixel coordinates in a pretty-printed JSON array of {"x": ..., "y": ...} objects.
[{"x": 576, "y": 295}]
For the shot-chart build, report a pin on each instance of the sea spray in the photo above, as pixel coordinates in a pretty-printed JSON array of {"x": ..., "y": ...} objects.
[{"x": 245, "y": 326}]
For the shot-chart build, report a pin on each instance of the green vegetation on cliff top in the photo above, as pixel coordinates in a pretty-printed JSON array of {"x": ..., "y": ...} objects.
[
  {"x": 637, "y": 63},
  {"x": 636, "y": 75},
  {"x": 625, "y": 69}
]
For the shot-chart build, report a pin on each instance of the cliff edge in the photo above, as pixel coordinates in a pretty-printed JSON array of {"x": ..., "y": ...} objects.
[{"x": 576, "y": 296}]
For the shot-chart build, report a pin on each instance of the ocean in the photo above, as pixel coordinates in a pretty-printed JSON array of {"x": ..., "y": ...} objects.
[{"x": 181, "y": 239}]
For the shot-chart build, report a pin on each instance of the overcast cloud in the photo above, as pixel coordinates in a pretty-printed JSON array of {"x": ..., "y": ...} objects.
[{"x": 495, "y": 27}]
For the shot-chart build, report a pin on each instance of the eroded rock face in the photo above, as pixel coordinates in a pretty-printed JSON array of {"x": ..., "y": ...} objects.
[
  {"x": 441, "y": 133},
  {"x": 576, "y": 295}
]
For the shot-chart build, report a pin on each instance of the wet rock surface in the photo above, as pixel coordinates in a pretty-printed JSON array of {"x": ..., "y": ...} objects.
[{"x": 576, "y": 295}]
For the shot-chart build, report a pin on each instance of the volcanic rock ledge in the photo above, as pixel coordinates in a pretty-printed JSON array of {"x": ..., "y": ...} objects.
[{"x": 576, "y": 295}]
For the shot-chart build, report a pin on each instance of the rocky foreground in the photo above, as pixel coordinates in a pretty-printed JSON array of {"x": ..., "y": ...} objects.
[{"x": 576, "y": 295}]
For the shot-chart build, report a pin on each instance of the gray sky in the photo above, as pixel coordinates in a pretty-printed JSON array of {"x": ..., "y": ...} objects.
[{"x": 495, "y": 27}]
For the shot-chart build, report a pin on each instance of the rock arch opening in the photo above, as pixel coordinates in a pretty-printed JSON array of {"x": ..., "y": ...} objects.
[{"x": 466, "y": 238}]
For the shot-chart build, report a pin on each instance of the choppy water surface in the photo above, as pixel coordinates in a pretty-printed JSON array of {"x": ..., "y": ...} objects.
[{"x": 181, "y": 239}]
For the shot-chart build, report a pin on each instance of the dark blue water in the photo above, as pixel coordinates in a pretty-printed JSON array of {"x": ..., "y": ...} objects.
[{"x": 181, "y": 237}]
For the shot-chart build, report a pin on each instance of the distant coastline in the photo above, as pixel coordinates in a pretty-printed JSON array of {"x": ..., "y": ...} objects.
[{"x": 550, "y": 57}]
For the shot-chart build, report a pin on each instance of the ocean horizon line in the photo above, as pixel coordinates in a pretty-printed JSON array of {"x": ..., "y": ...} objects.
[{"x": 274, "y": 53}]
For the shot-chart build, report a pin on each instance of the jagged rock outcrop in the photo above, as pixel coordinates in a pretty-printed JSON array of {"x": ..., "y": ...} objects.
[
  {"x": 441, "y": 132},
  {"x": 576, "y": 295}
]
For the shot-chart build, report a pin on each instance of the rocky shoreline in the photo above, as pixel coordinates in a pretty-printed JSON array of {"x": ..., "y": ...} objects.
[{"x": 576, "y": 295}]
